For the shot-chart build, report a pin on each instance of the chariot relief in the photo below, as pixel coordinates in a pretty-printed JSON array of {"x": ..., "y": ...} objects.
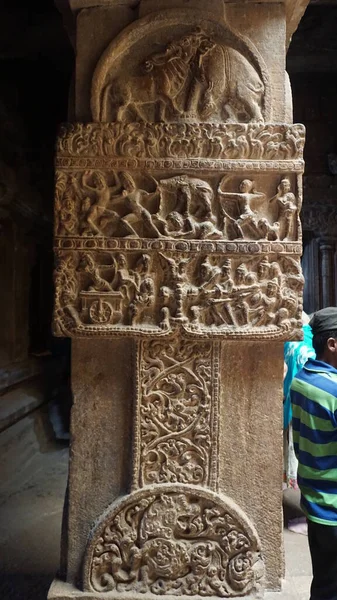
[{"x": 153, "y": 294}]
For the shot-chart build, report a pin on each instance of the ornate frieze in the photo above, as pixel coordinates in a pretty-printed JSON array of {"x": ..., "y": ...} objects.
[
  {"x": 144, "y": 252},
  {"x": 130, "y": 205},
  {"x": 214, "y": 141},
  {"x": 175, "y": 540},
  {"x": 154, "y": 293}
]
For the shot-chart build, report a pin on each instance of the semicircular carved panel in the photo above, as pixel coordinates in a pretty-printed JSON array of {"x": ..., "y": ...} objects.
[
  {"x": 182, "y": 541},
  {"x": 167, "y": 68}
]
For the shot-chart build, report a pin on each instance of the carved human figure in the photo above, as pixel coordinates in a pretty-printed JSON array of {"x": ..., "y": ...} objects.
[
  {"x": 67, "y": 217},
  {"x": 209, "y": 274},
  {"x": 174, "y": 274},
  {"x": 192, "y": 215},
  {"x": 220, "y": 301},
  {"x": 144, "y": 296},
  {"x": 134, "y": 198},
  {"x": 263, "y": 270},
  {"x": 269, "y": 303},
  {"x": 98, "y": 215},
  {"x": 66, "y": 293},
  {"x": 125, "y": 280},
  {"x": 287, "y": 209},
  {"x": 65, "y": 206},
  {"x": 98, "y": 283},
  {"x": 247, "y": 199},
  {"x": 245, "y": 287}
]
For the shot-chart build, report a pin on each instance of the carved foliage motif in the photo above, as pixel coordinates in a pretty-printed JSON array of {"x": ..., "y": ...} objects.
[
  {"x": 95, "y": 203},
  {"x": 153, "y": 294},
  {"x": 177, "y": 412},
  {"x": 182, "y": 140},
  {"x": 179, "y": 541}
]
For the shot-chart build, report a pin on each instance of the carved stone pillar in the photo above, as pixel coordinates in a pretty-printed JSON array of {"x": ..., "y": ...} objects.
[
  {"x": 178, "y": 242},
  {"x": 327, "y": 249}
]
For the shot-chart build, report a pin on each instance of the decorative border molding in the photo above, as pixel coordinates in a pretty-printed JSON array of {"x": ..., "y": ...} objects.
[
  {"x": 180, "y": 144},
  {"x": 193, "y": 246}
]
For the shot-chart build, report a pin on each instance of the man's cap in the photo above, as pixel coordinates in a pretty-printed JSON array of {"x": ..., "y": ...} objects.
[{"x": 324, "y": 320}]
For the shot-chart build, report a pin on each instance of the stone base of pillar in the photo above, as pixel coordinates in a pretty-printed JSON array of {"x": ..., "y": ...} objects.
[{"x": 60, "y": 590}]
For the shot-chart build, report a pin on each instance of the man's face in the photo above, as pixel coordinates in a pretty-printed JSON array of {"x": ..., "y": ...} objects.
[
  {"x": 240, "y": 275},
  {"x": 245, "y": 186},
  {"x": 262, "y": 270},
  {"x": 285, "y": 186},
  {"x": 271, "y": 290},
  {"x": 98, "y": 181},
  {"x": 204, "y": 271}
]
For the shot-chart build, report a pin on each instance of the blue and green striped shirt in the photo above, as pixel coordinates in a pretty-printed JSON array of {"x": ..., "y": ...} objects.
[{"x": 314, "y": 402}]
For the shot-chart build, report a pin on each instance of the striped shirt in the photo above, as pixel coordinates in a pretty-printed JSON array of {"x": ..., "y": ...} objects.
[{"x": 314, "y": 401}]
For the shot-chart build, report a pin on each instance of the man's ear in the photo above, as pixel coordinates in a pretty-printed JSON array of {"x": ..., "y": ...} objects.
[{"x": 332, "y": 344}]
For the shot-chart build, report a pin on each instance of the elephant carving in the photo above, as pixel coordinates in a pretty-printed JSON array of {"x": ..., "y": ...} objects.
[{"x": 194, "y": 78}]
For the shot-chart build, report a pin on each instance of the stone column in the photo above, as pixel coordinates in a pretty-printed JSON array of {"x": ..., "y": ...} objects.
[
  {"x": 327, "y": 269},
  {"x": 178, "y": 242}
]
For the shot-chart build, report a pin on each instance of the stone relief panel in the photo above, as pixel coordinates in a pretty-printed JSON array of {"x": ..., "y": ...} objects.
[
  {"x": 320, "y": 218},
  {"x": 176, "y": 540},
  {"x": 253, "y": 141},
  {"x": 138, "y": 293},
  {"x": 177, "y": 412},
  {"x": 136, "y": 205},
  {"x": 195, "y": 74}
]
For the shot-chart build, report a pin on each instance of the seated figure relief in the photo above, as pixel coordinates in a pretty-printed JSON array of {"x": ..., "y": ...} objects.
[{"x": 194, "y": 77}]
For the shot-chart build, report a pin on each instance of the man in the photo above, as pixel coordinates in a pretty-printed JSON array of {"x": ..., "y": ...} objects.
[{"x": 314, "y": 402}]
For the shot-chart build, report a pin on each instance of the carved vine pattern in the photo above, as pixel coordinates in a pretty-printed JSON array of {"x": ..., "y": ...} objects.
[{"x": 177, "y": 412}]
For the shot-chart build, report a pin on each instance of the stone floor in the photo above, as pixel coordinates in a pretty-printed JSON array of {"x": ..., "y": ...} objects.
[{"x": 30, "y": 518}]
